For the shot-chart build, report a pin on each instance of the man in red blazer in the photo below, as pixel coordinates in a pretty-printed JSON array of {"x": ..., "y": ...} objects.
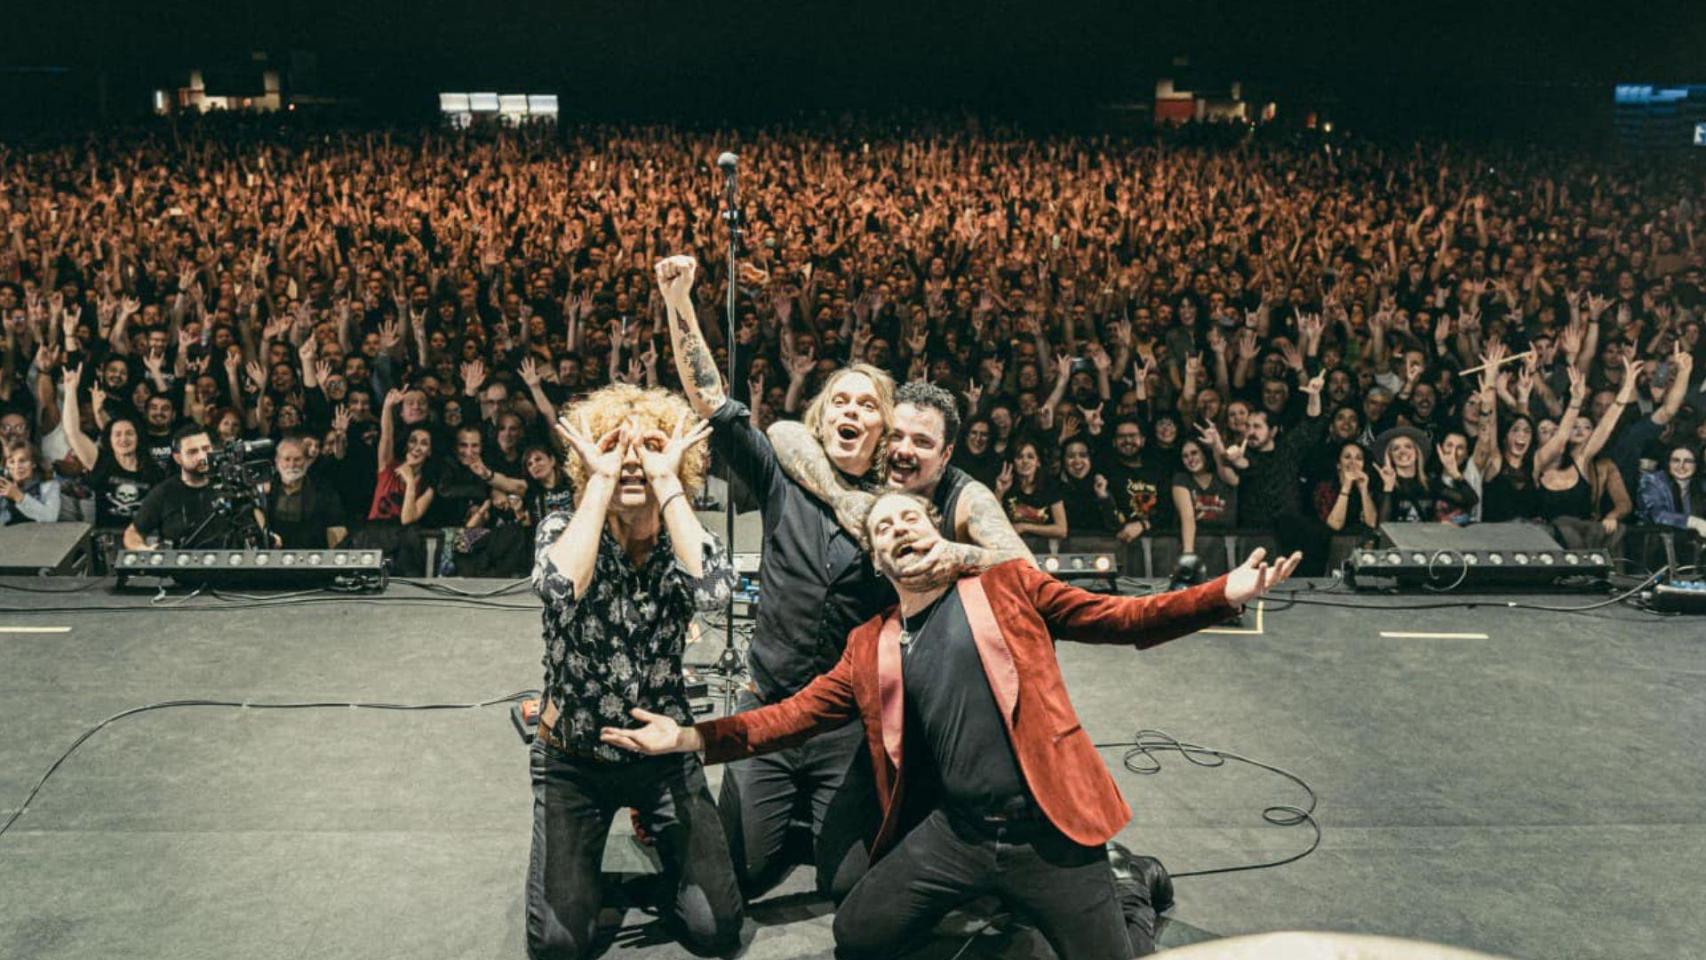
[{"x": 966, "y": 676}]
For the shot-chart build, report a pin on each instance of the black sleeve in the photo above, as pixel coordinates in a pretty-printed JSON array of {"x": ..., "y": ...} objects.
[
  {"x": 149, "y": 513},
  {"x": 745, "y": 448},
  {"x": 1459, "y": 494}
]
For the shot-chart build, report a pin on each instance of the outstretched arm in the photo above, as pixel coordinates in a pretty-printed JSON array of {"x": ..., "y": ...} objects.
[
  {"x": 825, "y": 704},
  {"x": 1074, "y": 614}
]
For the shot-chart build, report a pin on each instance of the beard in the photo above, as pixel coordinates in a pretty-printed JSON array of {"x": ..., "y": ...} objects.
[{"x": 292, "y": 475}]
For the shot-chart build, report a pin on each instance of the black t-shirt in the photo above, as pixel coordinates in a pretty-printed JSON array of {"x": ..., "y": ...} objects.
[
  {"x": 541, "y": 502},
  {"x": 953, "y": 712},
  {"x": 159, "y": 449},
  {"x": 301, "y": 519},
  {"x": 457, "y": 492},
  {"x": 180, "y": 514},
  {"x": 119, "y": 492},
  {"x": 1143, "y": 493}
]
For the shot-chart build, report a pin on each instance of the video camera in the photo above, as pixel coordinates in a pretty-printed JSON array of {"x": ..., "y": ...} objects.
[{"x": 240, "y": 468}]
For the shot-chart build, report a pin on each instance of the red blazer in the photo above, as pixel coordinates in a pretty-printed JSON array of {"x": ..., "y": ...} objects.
[{"x": 1016, "y": 613}]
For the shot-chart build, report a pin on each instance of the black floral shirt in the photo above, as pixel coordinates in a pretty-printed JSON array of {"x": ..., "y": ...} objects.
[{"x": 620, "y": 646}]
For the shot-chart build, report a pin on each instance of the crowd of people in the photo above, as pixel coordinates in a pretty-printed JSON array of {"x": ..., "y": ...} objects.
[{"x": 1151, "y": 341}]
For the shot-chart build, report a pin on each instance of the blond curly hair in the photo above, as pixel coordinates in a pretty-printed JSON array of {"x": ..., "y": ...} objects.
[
  {"x": 884, "y": 385},
  {"x": 607, "y": 408}
]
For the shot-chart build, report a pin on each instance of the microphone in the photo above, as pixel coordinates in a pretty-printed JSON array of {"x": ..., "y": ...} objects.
[{"x": 728, "y": 161}]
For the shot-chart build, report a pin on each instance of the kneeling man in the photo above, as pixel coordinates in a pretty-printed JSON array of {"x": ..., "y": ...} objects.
[{"x": 965, "y": 677}]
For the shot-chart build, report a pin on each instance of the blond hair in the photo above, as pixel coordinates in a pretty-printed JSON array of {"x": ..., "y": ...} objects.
[
  {"x": 884, "y": 385},
  {"x": 654, "y": 409}
]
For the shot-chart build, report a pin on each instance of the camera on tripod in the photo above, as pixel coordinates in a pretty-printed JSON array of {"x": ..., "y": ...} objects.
[
  {"x": 240, "y": 469},
  {"x": 238, "y": 474}
]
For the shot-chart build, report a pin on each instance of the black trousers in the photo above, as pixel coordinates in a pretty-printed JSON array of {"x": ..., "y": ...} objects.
[
  {"x": 1066, "y": 888},
  {"x": 574, "y": 800},
  {"x": 829, "y": 774}
]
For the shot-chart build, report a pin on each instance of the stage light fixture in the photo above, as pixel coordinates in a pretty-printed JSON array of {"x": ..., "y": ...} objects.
[
  {"x": 345, "y": 569},
  {"x": 1067, "y": 566},
  {"x": 1519, "y": 558}
]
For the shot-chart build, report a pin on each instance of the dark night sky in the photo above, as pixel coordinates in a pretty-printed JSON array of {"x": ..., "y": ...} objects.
[{"x": 716, "y": 60}]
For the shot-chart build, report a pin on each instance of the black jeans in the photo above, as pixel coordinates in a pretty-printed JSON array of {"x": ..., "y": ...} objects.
[
  {"x": 1066, "y": 888},
  {"x": 832, "y": 774},
  {"x": 574, "y": 800}
]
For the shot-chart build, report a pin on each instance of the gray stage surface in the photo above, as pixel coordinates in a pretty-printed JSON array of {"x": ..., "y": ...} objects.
[{"x": 1540, "y": 792}]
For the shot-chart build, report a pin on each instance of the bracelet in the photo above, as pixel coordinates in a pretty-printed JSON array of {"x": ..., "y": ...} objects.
[{"x": 671, "y": 499}]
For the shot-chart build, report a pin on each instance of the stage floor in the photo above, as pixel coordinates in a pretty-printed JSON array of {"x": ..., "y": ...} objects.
[{"x": 1529, "y": 784}]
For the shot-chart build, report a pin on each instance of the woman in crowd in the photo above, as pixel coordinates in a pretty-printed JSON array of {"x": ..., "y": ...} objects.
[
  {"x": 1344, "y": 503},
  {"x": 1573, "y": 489},
  {"x": 1031, "y": 499},
  {"x": 1089, "y": 504},
  {"x": 1408, "y": 492},
  {"x": 1671, "y": 495},
  {"x": 1343, "y": 426},
  {"x": 119, "y": 474},
  {"x": 548, "y": 487},
  {"x": 403, "y": 493},
  {"x": 27, "y": 493},
  {"x": 1457, "y": 469},
  {"x": 1510, "y": 480},
  {"x": 1205, "y": 496},
  {"x": 975, "y": 454}
]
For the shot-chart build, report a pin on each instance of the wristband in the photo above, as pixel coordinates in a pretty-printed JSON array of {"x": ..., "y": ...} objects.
[{"x": 670, "y": 499}]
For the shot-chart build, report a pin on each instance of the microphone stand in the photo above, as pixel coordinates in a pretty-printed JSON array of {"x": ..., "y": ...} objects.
[{"x": 729, "y": 663}]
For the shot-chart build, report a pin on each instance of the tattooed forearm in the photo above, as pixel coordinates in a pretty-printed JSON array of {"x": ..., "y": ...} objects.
[
  {"x": 694, "y": 363},
  {"x": 992, "y": 539}
]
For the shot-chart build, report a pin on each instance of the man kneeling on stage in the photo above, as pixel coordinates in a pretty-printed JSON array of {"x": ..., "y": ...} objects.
[
  {"x": 621, "y": 576},
  {"x": 966, "y": 677}
]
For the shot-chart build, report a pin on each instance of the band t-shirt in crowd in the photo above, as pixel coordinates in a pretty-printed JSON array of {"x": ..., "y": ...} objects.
[
  {"x": 1216, "y": 505},
  {"x": 542, "y": 502},
  {"x": 1033, "y": 507},
  {"x": 950, "y": 705},
  {"x": 1142, "y": 493},
  {"x": 158, "y": 448},
  {"x": 183, "y": 516},
  {"x": 119, "y": 492}
]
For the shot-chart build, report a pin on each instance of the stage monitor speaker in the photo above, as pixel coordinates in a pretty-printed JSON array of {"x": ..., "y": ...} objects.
[
  {"x": 352, "y": 570},
  {"x": 1441, "y": 556}
]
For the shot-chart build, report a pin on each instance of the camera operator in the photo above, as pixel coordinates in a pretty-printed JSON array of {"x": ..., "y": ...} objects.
[
  {"x": 186, "y": 510},
  {"x": 300, "y": 513}
]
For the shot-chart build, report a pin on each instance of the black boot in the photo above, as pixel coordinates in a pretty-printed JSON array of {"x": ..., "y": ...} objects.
[{"x": 1146, "y": 873}]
